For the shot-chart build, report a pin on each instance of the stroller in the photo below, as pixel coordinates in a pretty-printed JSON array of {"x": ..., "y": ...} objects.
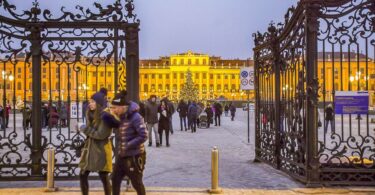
[{"x": 203, "y": 121}]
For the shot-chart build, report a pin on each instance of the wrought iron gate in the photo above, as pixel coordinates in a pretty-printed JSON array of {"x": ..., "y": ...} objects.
[
  {"x": 323, "y": 46},
  {"x": 52, "y": 63}
]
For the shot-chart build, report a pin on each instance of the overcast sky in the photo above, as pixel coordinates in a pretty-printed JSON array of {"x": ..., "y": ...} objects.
[{"x": 215, "y": 27}]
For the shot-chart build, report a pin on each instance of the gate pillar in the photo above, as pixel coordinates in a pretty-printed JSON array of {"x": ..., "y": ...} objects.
[
  {"x": 36, "y": 145},
  {"x": 132, "y": 62},
  {"x": 311, "y": 29}
]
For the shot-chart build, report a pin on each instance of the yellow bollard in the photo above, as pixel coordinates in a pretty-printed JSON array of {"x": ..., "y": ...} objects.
[
  {"x": 50, "y": 170},
  {"x": 215, "y": 189}
]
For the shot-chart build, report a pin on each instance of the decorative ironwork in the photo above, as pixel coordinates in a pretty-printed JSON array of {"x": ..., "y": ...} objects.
[
  {"x": 292, "y": 92},
  {"x": 71, "y": 47}
]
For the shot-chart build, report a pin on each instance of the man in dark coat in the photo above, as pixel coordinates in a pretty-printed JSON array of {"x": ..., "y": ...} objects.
[
  {"x": 218, "y": 113},
  {"x": 131, "y": 154},
  {"x": 232, "y": 110},
  {"x": 182, "y": 109},
  {"x": 329, "y": 112},
  {"x": 151, "y": 119},
  {"x": 193, "y": 115}
]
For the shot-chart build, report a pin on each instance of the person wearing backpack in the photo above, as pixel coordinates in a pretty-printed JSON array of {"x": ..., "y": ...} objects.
[
  {"x": 182, "y": 109},
  {"x": 193, "y": 115}
]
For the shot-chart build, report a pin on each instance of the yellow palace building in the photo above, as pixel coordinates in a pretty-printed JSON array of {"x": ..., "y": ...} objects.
[{"x": 214, "y": 77}]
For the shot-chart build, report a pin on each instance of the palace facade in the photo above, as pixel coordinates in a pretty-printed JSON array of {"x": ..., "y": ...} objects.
[{"x": 215, "y": 78}]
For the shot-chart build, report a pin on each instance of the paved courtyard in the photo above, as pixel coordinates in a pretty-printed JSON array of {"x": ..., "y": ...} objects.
[{"x": 187, "y": 163}]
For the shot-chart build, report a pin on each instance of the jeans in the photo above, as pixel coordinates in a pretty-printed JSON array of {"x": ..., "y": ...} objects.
[
  {"x": 217, "y": 119},
  {"x": 183, "y": 119},
  {"x": 332, "y": 126},
  {"x": 193, "y": 124},
  {"x": 132, "y": 167},
  {"x": 154, "y": 127}
]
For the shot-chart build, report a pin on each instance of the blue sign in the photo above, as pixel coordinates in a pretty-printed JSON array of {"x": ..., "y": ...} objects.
[
  {"x": 351, "y": 102},
  {"x": 244, "y": 74}
]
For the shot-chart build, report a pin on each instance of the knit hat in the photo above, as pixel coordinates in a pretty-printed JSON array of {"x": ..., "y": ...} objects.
[
  {"x": 120, "y": 99},
  {"x": 99, "y": 98},
  {"x": 104, "y": 91}
]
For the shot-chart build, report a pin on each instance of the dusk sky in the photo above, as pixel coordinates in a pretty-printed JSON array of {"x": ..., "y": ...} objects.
[{"x": 215, "y": 27}]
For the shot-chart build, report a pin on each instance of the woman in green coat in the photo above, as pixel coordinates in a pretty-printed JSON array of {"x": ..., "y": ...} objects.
[{"x": 97, "y": 151}]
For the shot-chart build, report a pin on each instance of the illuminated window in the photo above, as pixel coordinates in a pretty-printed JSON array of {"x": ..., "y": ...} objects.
[
  {"x": 211, "y": 76},
  {"x": 218, "y": 76},
  {"x": 182, "y": 75},
  {"x": 160, "y": 76},
  {"x": 204, "y": 61},
  {"x": 196, "y": 61},
  {"x": 19, "y": 86},
  {"x": 153, "y": 76},
  {"x": 233, "y": 76},
  {"x": 44, "y": 86},
  {"x": 189, "y": 61},
  {"x": 145, "y": 87},
  {"x": 175, "y": 75},
  {"x": 196, "y": 75},
  {"x": 167, "y": 76},
  {"x": 182, "y": 61},
  {"x": 174, "y": 61},
  {"x": 146, "y": 76},
  {"x": 204, "y": 75}
]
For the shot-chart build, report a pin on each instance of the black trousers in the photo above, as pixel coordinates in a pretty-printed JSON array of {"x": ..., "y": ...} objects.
[
  {"x": 132, "y": 167},
  {"x": 84, "y": 182},
  {"x": 166, "y": 136},
  {"x": 217, "y": 119},
  {"x": 193, "y": 124}
]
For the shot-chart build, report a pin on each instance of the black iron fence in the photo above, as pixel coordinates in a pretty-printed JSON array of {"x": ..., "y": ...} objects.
[
  {"x": 322, "y": 49},
  {"x": 51, "y": 64}
]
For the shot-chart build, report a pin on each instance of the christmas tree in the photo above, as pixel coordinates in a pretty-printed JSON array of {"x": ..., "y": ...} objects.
[{"x": 189, "y": 91}]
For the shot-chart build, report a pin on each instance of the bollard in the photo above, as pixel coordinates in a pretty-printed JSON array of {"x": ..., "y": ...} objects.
[
  {"x": 50, "y": 170},
  {"x": 215, "y": 172}
]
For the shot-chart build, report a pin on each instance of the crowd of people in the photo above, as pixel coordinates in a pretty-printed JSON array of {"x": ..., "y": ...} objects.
[
  {"x": 193, "y": 115},
  {"x": 53, "y": 116}
]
